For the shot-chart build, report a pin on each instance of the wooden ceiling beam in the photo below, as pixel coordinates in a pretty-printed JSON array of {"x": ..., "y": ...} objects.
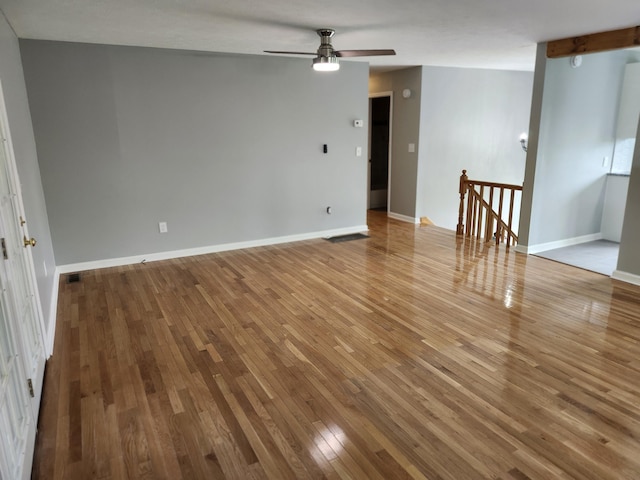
[{"x": 595, "y": 42}]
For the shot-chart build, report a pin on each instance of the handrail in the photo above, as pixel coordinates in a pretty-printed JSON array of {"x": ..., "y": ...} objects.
[
  {"x": 493, "y": 184},
  {"x": 477, "y": 215}
]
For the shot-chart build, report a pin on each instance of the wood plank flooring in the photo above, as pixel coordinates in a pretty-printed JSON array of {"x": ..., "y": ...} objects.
[{"x": 410, "y": 354}]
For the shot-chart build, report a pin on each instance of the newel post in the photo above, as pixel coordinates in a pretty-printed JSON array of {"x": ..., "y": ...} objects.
[{"x": 463, "y": 192}]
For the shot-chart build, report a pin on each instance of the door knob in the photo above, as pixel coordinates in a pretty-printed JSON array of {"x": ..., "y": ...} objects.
[{"x": 28, "y": 242}]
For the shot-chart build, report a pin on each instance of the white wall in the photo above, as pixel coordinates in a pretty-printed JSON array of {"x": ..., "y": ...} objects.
[
  {"x": 628, "y": 113},
  {"x": 471, "y": 119},
  {"x": 572, "y": 130},
  {"x": 629, "y": 102},
  {"x": 224, "y": 148}
]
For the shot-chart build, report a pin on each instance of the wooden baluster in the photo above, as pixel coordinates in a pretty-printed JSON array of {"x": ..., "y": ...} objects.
[
  {"x": 475, "y": 211},
  {"x": 481, "y": 218},
  {"x": 471, "y": 209},
  {"x": 463, "y": 191},
  {"x": 470, "y": 217},
  {"x": 468, "y": 227},
  {"x": 499, "y": 231},
  {"x": 488, "y": 232},
  {"x": 480, "y": 212},
  {"x": 472, "y": 198},
  {"x": 513, "y": 194}
]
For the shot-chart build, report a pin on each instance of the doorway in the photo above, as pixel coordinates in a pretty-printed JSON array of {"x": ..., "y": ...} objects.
[{"x": 379, "y": 150}]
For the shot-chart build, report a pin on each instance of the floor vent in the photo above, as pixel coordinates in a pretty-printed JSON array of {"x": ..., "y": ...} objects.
[
  {"x": 346, "y": 238},
  {"x": 73, "y": 278}
]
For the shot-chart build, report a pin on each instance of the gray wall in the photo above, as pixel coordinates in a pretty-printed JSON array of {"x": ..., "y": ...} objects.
[
  {"x": 529, "y": 184},
  {"x": 405, "y": 130},
  {"x": 15, "y": 96},
  {"x": 628, "y": 258},
  {"x": 471, "y": 119},
  {"x": 223, "y": 148},
  {"x": 615, "y": 200},
  {"x": 573, "y": 128}
]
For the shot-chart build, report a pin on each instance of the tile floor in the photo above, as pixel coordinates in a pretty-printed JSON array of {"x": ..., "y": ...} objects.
[{"x": 600, "y": 256}]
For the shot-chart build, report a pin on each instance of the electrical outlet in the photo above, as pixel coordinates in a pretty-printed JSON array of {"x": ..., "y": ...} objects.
[{"x": 162, "y": 226}]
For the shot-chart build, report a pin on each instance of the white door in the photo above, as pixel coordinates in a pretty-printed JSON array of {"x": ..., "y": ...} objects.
[
  {"x": 17, "y": 424},
  {"x": 22, "y": 345}
]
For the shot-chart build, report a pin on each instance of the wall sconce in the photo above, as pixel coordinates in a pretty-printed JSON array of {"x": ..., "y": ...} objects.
[
  {"x": 524, "y": 138},
  {"x": 575, "y": 61}
]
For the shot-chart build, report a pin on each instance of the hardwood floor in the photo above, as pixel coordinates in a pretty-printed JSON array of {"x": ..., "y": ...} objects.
[{"x": 409, "y": 354}]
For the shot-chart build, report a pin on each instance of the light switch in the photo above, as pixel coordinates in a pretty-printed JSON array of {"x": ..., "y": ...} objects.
[
  {"x": 412, "y": 148},
  {"x": 162, "y": 226},
  {"x": 358, "y": 151}
]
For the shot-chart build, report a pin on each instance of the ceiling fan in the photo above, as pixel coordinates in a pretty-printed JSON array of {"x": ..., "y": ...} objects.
[{"x": 327, "y": 58}]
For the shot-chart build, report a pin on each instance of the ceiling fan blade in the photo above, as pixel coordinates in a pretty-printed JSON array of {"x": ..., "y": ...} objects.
[
  {"x": 290, "y": 53},
  {"x": 363, "y": 53}
]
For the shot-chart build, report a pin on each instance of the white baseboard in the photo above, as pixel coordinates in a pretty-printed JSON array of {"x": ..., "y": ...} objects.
[
  {"x": 189, "y": 252},
  {"x": 567, "y": 242},
  {"x": 626, "y": 277},
  {"x": 53, "y": 313},
  {"x": 403, "y": 218}
]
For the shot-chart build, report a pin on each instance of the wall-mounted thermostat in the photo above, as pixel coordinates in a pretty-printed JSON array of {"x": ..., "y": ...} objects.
[{"x": 358, "y": 123}]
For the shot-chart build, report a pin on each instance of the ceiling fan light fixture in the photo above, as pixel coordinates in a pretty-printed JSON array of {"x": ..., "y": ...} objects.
[
  {"x": 326, "y": 64},
  {"x": 326, "y": 58}
]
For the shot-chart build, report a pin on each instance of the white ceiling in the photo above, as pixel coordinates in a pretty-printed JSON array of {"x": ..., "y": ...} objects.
[{"x": 468, "y": 33}]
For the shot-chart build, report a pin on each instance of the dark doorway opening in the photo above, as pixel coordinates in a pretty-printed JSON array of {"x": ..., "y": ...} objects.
[{"x": 380, "y": 111}]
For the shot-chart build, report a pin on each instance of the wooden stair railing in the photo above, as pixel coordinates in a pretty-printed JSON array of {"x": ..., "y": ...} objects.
[{"x": 482, "y": 210}]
